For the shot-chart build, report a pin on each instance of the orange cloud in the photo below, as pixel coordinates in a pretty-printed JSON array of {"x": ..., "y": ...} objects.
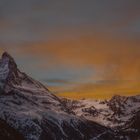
[
  {"x": 103, "y": 90},
  {"x": 116, "y": 58},
  {"x": 112, "y": 58}
]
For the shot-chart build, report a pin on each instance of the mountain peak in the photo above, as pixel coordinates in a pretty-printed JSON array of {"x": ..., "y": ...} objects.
[
  {"x": 11, "y": 77},
  {"x": 8, "y": 68},
  {"x": 7, "y": 63},
  {"x": 6, "y": 57}
]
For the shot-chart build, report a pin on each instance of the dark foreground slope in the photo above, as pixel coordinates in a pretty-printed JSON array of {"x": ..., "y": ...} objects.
[{"x": 9, "y": 133}]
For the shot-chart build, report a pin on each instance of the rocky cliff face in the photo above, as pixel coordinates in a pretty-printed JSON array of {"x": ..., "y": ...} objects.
[{"x": 29, "y": 111}]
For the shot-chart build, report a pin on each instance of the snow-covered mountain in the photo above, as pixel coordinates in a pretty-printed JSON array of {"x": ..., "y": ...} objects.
[
  {"x": 29, "y": 111},
  {"x": 121, "y": 113}
]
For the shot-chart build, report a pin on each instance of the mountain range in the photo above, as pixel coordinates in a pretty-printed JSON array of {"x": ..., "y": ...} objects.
[{"x": 30, "y": 111}]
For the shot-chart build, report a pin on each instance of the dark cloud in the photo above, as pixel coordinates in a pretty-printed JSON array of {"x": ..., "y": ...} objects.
[{"x": 36, "y": 20}]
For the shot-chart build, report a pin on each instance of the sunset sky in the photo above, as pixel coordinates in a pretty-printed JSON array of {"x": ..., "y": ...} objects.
[{"x": 78, "y": 48}]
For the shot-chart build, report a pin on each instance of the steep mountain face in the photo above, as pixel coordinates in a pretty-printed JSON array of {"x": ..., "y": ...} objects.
[{"x": 29, "y": 111}]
